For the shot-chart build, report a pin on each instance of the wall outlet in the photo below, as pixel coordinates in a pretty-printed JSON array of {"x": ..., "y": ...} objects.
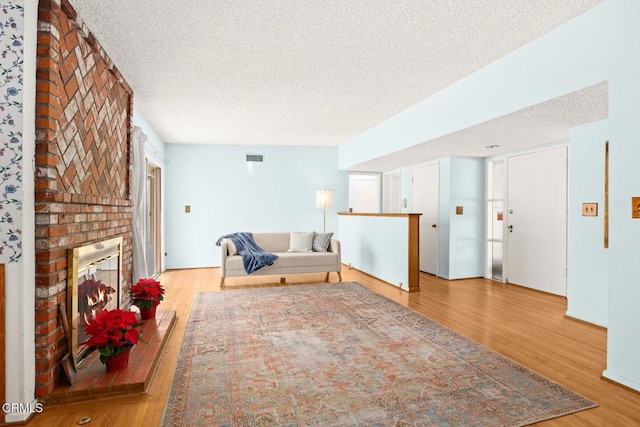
[
  {"x": 635, "y": 207},
  {"x": 589, "y": 209}
]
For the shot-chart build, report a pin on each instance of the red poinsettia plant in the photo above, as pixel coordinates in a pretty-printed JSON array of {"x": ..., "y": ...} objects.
[
  {"x": 112, "y": 332},
  {"x": 146, "y": 293}
]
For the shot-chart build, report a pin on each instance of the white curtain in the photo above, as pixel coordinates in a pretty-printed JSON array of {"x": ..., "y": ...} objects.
[{"x": 139, "y": 197}]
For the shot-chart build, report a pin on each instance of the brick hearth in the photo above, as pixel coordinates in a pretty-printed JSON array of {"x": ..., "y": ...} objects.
[{"x": 93, "y": 380}]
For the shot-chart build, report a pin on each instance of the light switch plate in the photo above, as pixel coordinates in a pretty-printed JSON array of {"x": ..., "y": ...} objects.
[
  {"x": 459, "y": 210},
  {"x": 187, "y": 208},
  {"x": 635, "y": 207},
  {"x": 589, "y": 209}
]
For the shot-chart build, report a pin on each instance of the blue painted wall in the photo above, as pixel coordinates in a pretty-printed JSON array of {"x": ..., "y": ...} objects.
[
  {"x": 461, "y": 237},
  {"x": 377, "y": 246},
  {"x": 587, "y": 259},
  {"x": 466, "y": 234},
  {"x": 227, "y": 194},
  {"x": 444, "y": 217}
]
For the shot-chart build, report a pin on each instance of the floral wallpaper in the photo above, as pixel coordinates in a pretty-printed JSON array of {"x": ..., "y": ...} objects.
[{"x": 11, "y": 43}]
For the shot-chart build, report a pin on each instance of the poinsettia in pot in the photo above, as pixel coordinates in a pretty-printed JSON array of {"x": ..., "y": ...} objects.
[
  {"x": 113, "y": 333},
  {"x": 146, "y": 295}
]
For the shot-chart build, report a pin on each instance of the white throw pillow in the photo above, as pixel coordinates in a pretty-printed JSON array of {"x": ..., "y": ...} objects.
[
  {"x": 301, "y": 242},
  {"x": 231, "y": 247}
]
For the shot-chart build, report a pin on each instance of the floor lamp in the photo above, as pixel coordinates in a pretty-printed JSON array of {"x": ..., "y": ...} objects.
[{"x": 324, "y": 200}]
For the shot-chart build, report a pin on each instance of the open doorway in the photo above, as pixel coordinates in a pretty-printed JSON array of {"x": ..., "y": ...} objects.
[
  {"x": 153, "y": 220},
  {"x": 364, "y": 192}
]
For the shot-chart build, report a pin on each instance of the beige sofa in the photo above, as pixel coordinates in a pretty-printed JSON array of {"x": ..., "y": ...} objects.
[{"x": 287, "y": 262}]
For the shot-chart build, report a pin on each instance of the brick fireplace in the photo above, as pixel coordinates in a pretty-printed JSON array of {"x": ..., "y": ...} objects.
[{"x": 83, "y": 168}]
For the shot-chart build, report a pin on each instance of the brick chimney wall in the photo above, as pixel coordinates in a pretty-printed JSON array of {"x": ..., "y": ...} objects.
[{"x": 83, "y": 167}]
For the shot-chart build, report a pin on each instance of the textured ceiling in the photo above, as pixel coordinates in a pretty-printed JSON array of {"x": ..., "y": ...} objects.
[
  {"x": 543, "y": 124},
  {"x": 303, "y": 72}
]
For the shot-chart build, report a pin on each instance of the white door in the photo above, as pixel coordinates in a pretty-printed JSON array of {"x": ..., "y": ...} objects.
[
  {"x": 537, "y": 220},
  {"x": 425, "y": 201},
  {"x": 392, "y": 193},
  {"x": 365, "y": 193}
]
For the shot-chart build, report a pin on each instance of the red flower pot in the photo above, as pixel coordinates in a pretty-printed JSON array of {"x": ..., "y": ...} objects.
[
  {"x": 119, "y": 361},
  {"x": 149, "y": 313}
]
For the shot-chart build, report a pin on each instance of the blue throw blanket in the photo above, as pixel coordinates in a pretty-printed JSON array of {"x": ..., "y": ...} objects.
[{"x": 253, "y": 256}]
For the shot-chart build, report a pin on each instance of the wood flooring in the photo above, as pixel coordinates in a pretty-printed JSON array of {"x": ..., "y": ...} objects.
[{"x": 525, "y": 325}]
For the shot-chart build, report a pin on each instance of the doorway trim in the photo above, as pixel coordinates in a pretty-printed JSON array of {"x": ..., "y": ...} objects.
[
  {"x": 154, "y": 217},
  {"x": 427, "y": 223},
  {"x": 505, "y": 159}
]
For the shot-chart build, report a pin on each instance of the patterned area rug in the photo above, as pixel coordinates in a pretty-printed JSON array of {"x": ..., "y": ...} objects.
[{"x": 341, "y": 355}]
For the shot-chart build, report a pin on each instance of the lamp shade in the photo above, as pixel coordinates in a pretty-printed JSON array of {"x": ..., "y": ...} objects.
[{"x": 324, "y": 199}]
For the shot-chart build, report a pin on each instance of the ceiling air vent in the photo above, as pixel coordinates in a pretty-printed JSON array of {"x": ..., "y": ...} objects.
[{"x": 255, "y": 158}]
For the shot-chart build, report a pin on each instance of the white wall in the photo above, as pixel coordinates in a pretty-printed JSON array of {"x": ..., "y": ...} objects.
[
  {"x": 587, "y": 259},
  {"x": 20, "y": 276},
  {"x": 599, "y": 45},
  {"x": 227, "y": 194}
]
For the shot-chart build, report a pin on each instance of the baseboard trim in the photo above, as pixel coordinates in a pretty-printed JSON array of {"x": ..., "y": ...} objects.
[
  {"x": 350, "y": 267},
  {"x": 621, "y": 381},
  {"x": 588, "y": 321}
]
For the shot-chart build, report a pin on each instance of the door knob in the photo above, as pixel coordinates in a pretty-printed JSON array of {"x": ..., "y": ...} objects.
[
  {"x": 433, "y": 226},
  {"x": 510, "y": 228}
]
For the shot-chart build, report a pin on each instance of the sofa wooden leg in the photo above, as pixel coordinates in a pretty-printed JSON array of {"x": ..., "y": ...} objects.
[
  {"x": 339, "y": 276},
  {"x": 326, "y": 278},
  {"x": 222, "y": 282}
]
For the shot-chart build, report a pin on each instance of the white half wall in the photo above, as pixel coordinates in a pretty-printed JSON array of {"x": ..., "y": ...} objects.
[
  {"x": 377, "y": 245},
  {"x": 227, "y": 194}
]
